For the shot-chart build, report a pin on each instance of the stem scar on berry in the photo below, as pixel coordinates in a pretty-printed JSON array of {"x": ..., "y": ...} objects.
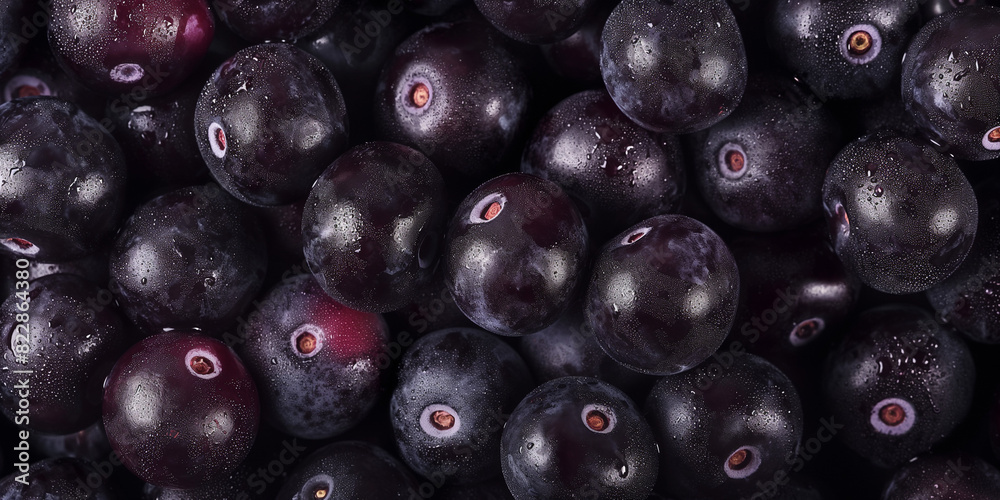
[
  {"x": 442, "y": 420},
  {"x": 27, "y": 91},
  {"x": 306, "y": 340},
  {"x": 21, "y": 243},
  {"x": 420, "y": 94},
  {"x": 487, "y": 208},
  {"x": 806, "y": 331},
  {"x": 740, "y": 459},
  {"x": 217, "y": 140},
  {"x": 202, "y": 365},
  {"x": 735, "y": 160},
  {"x": 306, "y": 343},
  {"x": 732, "y": 161},
  {"x": 859, "y": 43},
  {"x": 492, "y": 211},
  {"x": 743, "y": 462},
  {"x": 893, "y": 416},
  {"x": 598, "y": 418}
]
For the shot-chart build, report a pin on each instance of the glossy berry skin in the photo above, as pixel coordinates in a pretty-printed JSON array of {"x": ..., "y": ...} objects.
[
  {"x": 190, "y": 258},
  {"x": 158, "y": 140},
  {"x": 453, "y": 92},
  {"x": 349, "y": 470},
  {"x": 122, "y": 47},
  {"x": 536, "y": 21},
  {"x": 663, "y": 295},
  {"x": 268, "y": 122},
  {"x": 62, "y": 192},
  {"x": 843, "y": 49},
  {"x": 902, "y": 216},
  {"x": 54, "y": 478},
  {"x": 372, "y": 226},
  {"x": 180, "y": 410},
  {"x": 75, "y": 338},
  {"x": 260, "y": 21},
  {"x": 898, "y": 383},
  {"x": 515, "y": 251},
  {"x": 952, "y": 476},
  {"x": 577, "y": 437},
  {"x": 315, "y": 361},
  {"x": 618, "y": 172},
  {"x": 674, "y": 67},
  {"x": 794, "y": 291},
  {"x": 968, "y": 299},
  {"x": 456, "y": 389},
  {"x": 762, "y": 168},
  {"x": 722, "y": 428},
  {"x": 950, "y": 80}
]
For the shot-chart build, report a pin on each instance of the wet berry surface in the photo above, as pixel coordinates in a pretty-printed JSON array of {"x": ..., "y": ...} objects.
[{"x": 499, "y": 250}]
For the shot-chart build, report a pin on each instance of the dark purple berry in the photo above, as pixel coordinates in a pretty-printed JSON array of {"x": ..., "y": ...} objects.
[
  {"x": 674, "y": 66},
  {"x": 456, "y": 433},
  {"x": 899, "y": 383},
  {"x": 514, "y": 255},
  {"x": 902, "y": 216},
  {"x": 317, "y": 363},
  {"x": 843, "y": 48},
  {"x": 950, "y": 78},
  {"x": 274, "y": 20},
  {"x": 723, "y": 429},
  {"x": 536, "y": 21},
  {"x": 191, "y": 258},
  {"x": 62, "y": 180},
  {"x": 349, "y": 470},
  {"x": 576, "y": 436},
  {"x": 663, "y": 295},
  {"x": 269, "y": 121},
  {"x": 453, "y": 92},
  {"x": 180, "y": 410},
  {"x": 373, "y": 224},
  {"x": 130, "y": 46}
]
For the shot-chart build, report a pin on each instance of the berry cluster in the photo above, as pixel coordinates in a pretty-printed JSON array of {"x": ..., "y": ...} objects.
[{"x": 499, "y": 249}]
